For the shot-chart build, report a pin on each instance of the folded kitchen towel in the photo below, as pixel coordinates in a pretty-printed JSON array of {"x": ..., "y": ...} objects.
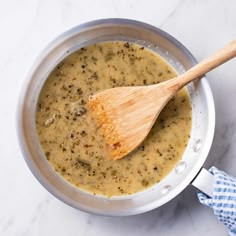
[{"x": 223, "y": 201}]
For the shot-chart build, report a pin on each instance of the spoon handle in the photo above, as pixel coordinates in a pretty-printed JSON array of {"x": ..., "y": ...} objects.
[{"x": 218, "y": 58}]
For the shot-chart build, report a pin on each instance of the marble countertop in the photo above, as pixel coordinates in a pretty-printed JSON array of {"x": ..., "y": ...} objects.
[{"x": 26, "y": 208}]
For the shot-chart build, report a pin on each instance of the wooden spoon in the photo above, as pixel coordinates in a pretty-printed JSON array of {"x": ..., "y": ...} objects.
[{"x": 126, "y": 114}]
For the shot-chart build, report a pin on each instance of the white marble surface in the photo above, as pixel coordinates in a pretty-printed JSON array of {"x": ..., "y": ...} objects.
[{"x": 26, "y": 208}]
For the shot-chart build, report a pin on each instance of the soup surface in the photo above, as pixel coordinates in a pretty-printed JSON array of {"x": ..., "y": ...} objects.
[{"x": 69, "y": 136}]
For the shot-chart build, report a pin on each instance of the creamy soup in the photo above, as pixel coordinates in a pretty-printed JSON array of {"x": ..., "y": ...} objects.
[{"x": 69, "y": 136}]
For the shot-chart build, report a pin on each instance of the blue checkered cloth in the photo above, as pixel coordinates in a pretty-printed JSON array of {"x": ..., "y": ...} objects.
[{"x": 223, "y": 201}]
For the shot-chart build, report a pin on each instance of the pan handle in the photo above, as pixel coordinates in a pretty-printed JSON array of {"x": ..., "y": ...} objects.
[{"x": 204, "y": 181}]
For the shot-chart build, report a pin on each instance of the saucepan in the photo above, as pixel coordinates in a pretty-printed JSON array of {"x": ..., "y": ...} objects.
[{"x": 189, "y": 169}]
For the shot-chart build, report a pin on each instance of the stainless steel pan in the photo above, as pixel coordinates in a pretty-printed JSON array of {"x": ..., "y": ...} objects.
[{"x": 186, "y": 171}]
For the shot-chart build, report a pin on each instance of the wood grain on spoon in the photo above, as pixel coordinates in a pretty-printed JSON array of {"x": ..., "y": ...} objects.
[{"x": 126, "y": 114}]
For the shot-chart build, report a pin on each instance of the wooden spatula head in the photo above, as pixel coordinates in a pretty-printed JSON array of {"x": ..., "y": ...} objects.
[{"x": 125, "y": 115}]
